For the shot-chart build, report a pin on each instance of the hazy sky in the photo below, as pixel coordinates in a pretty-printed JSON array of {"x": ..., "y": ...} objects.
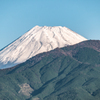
[{"x": 19, "y": 16}]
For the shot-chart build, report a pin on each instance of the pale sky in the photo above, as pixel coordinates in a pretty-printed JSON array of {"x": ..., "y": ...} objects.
[{"x": 19, "y": 16}]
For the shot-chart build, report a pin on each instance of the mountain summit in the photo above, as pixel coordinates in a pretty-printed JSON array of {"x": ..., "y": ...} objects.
[{"x": 35, "y": 41}]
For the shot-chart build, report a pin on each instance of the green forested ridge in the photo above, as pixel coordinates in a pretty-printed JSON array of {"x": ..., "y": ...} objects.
[{"x": 69, "y": 73}]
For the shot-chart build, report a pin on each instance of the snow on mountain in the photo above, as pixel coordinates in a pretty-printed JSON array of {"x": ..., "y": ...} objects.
[{"x": 37, "y": 40}]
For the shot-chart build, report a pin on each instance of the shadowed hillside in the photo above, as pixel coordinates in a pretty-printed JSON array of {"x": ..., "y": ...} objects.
[{"x": 69, "y": 73}]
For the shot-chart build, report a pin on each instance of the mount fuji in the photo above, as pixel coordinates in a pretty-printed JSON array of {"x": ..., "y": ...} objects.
[{"x": 35, "y": 41}]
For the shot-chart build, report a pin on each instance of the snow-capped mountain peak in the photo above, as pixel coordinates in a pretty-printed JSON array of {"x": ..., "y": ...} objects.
[{"x": 35, "y": 41}]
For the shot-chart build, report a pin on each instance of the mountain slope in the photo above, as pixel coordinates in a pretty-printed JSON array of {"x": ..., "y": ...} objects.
[
  {"x": 35, "y": 41},
  {"x": 55, "y": 75}
]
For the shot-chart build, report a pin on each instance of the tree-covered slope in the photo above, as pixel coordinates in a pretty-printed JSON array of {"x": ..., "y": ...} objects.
[{"x": 69, "y": 73}]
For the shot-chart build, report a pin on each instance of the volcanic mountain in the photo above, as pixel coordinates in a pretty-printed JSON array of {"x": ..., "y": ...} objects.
[{"x": 35, "y": 41}]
